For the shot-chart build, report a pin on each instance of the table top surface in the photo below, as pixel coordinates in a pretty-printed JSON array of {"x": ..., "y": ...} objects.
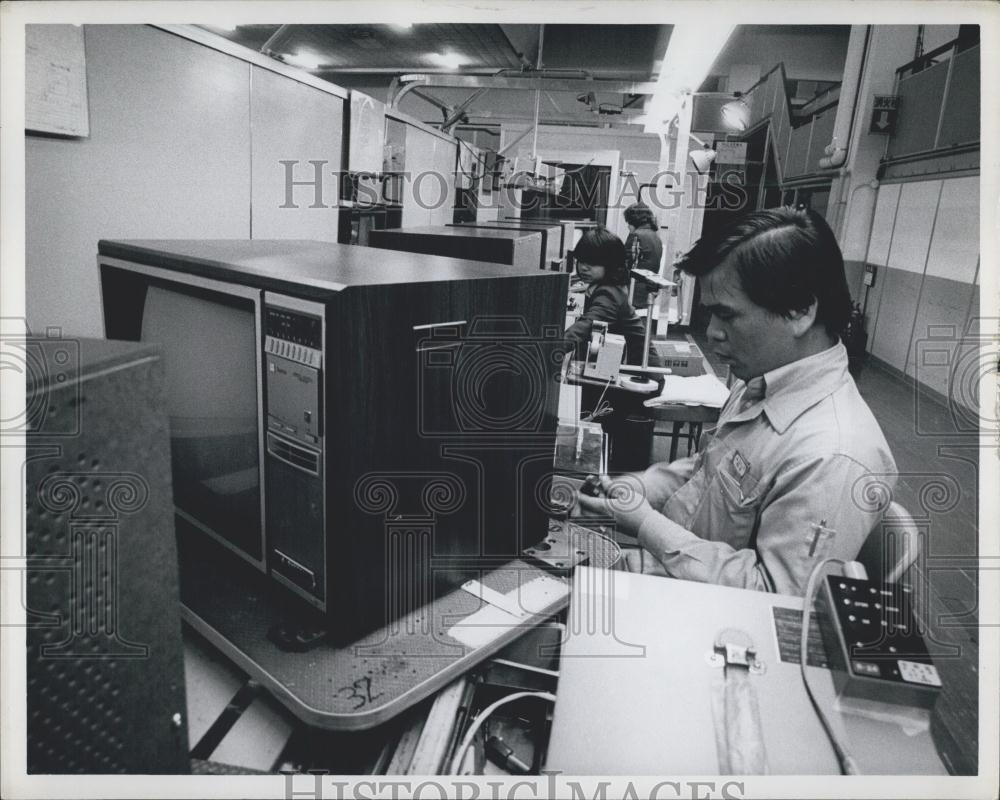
[{"x": 644, "y": 675}]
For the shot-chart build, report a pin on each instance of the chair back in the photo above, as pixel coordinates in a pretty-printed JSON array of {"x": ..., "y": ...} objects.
[{"x": 892, "y": 547}]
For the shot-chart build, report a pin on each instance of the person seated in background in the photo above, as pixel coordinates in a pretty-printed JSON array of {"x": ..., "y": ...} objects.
[
  {"x": 643, "y": 248},
  {"x": 789, "y": 475},
  {"x": 600, "y": 263}
]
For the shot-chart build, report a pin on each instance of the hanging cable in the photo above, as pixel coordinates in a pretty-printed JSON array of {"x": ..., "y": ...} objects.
[
  {"x": 600, "y": 409},
  {"x": 482, "y": 716},
  {"x": 848, "y": 766}
]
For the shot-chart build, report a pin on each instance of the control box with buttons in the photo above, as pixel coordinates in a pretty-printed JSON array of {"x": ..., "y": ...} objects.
[
  {"x": 872, "y": 642},
  {"x": 293, "y": 355}
]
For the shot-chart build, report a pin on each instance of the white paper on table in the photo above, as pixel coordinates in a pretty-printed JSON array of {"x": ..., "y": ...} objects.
[
  {"x": 490, "y": 622},
  {"x": 701, "y": 390}
]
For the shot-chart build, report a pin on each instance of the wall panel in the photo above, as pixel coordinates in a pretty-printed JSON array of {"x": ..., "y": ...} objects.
[
  {"x": 902, "y": 279},
  {"x": 798, "y": 151},
  {"x": 928, "y": 290},
  {"x": 911, "y": 235},
  {"x": 885, "y": 216},
  {"x": 897, "y": 309},
  {"x": 854, "y": 271},
  {"x": 440, "y": 192},
  {"x": 167, "y": 157},
  {"x": 960, "y": 122},
  {"x": 954, "y": 249},
  {"x": 419, "y": 162},
  {"x": 920, "y": 97},
  {"x": 943, "y": 302},
  {"x": 291, "y": 121},
  {"x": 822, "y": 134}
]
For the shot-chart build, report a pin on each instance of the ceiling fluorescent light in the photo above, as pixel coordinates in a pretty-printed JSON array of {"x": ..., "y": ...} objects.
[
  {"x": 691, "y": 51},
  {"x": 446, "y": 60},
  {"x": 303, "y": 59},
  {"x": 736, "y": 115}
]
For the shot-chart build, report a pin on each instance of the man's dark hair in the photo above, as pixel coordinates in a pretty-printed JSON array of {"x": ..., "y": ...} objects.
[
  {"x": 639, "y": 215},
  {"x": 785, "y": 258},
  {"x": 601, "y": 247}
]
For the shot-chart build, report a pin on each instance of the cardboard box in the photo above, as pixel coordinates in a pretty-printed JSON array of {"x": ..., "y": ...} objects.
[{"x": 682, "y": 358}]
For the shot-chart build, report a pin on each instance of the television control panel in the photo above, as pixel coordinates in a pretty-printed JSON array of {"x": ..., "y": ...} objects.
[
  {"x": 294, "y": 471},
  {"x": 293, "y": 362}
]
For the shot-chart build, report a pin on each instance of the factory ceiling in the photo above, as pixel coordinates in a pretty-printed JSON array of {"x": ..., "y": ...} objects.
[
  {"x": 585, "y": 74},
  {"x": 611, "y": 51}
]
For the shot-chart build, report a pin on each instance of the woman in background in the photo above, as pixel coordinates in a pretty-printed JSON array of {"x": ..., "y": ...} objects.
[
  {"x": 600, "y": 263},
  {"x": 643, "y": 247}
]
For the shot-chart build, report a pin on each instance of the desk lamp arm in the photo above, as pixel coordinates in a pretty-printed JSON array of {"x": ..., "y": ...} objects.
[{"x": 653, "y": 283}]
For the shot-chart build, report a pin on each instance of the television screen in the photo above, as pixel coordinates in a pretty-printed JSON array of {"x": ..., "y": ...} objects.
[{"x": 209, "y": 355}]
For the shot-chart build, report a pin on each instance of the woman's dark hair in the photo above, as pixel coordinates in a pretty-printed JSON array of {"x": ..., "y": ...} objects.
[
  {"x": 786, "y": 258},
  {"x": 601, "y": 247},
  {"x": 639, "y": 215}
]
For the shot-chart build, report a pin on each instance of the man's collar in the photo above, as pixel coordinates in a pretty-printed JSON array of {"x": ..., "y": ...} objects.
[{"x": 796, "y": 387}]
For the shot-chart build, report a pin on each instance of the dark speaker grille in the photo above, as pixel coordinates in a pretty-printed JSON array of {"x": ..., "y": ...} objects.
[{"x": 105, "y": 690}]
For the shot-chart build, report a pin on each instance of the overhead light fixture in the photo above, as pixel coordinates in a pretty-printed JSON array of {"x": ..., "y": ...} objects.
[
  {"x": 447, "y": 60},
  {"x": 702, "y": 159},
  {"x": 229, "y": 28},
  {"x": 405, "y": 26},
  {"x": 691, "y": 51},
  {"x": 303, "y": 59},
  {"x": 736, "y": 115}
]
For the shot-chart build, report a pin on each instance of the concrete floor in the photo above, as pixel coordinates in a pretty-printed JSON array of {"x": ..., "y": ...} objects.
[{"x": 938, "y": 483}]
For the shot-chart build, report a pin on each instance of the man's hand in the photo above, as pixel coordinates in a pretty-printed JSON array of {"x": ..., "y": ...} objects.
[{"x": 622, "y": 499}]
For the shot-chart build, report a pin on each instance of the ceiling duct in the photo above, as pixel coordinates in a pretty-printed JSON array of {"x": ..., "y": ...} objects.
[{"x": 365, "y": 39}]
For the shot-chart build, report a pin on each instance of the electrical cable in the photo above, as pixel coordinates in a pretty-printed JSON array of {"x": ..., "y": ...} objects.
[
  {"x": 600, "y": 410},
  {"x": 848, "y": 766},
  {"x": 482, "y": 716}
]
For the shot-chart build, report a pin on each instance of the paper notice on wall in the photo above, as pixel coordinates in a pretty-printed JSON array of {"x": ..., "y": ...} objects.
[
  {"x": 55, "y": 99},
  {"x": 731, "y": 152}
]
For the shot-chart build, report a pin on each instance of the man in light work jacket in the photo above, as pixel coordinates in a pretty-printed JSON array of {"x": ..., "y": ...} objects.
[{"x": 796, "y": 467}]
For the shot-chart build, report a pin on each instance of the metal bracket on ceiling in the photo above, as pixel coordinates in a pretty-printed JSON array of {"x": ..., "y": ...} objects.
[
  {"x": 268, "y": 47},
  {"x": 457, "y": 113},
  {"x": 403, "y": 84}
]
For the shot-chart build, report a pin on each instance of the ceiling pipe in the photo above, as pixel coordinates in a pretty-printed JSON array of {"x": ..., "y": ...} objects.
[
  {"x": 547, "y": 72},
  {"x": 538, "y": 97},
  {"x": 630, "y": 115},
  {"x": 836, "y": 151},
  {"x": 339, "y": 70}
]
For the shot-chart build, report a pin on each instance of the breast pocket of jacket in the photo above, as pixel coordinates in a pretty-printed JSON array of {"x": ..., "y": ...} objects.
[{"x": 738, "y": 501}]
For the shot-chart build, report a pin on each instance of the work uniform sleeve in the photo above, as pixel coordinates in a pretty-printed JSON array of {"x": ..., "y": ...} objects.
[
  {"x": 821, "y": 491},
  {"x": 602, "y": 308},
  {"x": 661, "y": 480}
]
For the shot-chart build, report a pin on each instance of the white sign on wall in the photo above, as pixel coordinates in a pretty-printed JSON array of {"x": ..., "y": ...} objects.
[
  {"x": 55, "y": 80},
  {"x": 731, "y": 152}
]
